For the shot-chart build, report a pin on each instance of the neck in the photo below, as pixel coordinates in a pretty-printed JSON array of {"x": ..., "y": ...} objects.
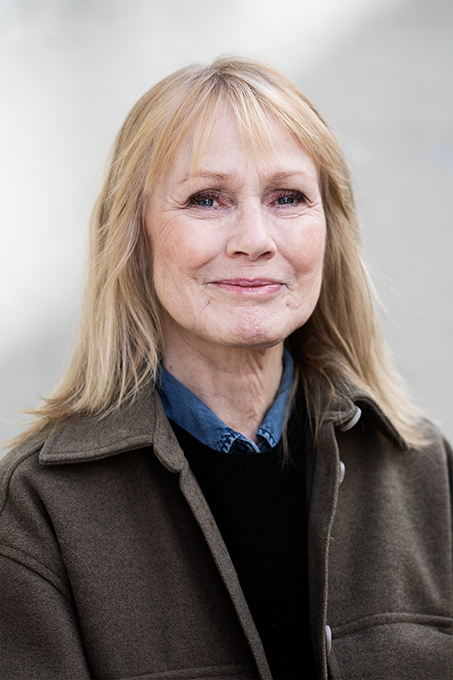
[{"x": 238, "y": 384}]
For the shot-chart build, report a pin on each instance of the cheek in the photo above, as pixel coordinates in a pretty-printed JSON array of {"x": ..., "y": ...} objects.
[
  {"x": 307, "y": 252},
  {"x": 181, "y": 261},
  {"x": 181, "y": 245}
]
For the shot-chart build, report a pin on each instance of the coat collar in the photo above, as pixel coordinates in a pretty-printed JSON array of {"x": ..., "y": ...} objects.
[
  {"x": 142, "y": 423},
  {"x": 138, "y": 424},
  {"x": 345, "y": 405}
]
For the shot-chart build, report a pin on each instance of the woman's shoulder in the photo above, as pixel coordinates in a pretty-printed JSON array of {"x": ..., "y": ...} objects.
[
  {"x": 23, "y": 458},
  {"x": 377, "y": 456},
  {"x": 138, "y": 425},
  {"x": 438, "y": 449},
  {"x": 364, "y": 411}
]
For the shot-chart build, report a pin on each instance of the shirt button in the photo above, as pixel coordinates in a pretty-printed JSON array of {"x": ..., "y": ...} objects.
[
  {"x": 328, "y": 640},
  {"x": 342, "y": 471}
]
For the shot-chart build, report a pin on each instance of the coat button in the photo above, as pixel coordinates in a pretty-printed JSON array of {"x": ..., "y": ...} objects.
[
  {"x": 352, "y": 421},
  {"x": 328, "y": 640},
  {"x": 342, "y": 471}
]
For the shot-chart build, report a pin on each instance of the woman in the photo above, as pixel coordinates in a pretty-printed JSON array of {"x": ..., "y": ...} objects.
[{"x": 229, "y": 482}]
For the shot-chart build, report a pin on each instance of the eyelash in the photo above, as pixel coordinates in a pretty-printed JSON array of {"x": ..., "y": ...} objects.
[
  {"x": 202, "y": 196},
  {"x": 298, "y": 196}
]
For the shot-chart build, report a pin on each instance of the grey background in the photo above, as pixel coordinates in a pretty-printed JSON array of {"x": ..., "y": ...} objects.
[{"x": 379, "y": 70}]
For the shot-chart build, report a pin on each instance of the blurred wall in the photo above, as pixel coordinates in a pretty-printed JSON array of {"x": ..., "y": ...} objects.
[{"x": 381, "y": 72}]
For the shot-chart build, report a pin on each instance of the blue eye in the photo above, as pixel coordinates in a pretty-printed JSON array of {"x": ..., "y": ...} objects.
[
  {"x": 205, "y": 202},
  {"x": 285, "y": 200},
  {"x": 205, "y": 199}
]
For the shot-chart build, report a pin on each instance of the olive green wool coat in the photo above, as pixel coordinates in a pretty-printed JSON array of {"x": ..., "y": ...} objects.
[{"x": 113, "y": 566}]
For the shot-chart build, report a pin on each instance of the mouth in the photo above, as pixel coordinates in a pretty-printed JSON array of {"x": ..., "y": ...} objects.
[{"x": 249, "y": 286}]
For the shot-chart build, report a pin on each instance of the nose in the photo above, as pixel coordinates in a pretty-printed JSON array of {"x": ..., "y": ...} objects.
[{"x": 251, "y": 235}]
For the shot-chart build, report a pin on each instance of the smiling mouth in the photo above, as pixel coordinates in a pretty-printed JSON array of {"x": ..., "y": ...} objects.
[{"x": 249, "y": 286}]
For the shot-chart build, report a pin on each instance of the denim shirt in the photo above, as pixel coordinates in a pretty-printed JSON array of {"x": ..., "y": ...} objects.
[{"x": 192, "y": 414}]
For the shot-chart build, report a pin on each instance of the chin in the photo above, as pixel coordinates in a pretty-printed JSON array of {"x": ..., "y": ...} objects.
[
  {"x": 268, "y": 330},
  {"x": 253, "y": 337}
]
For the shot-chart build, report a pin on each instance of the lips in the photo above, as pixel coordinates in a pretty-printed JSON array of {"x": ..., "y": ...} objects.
[
  {"x": 249, "y": 283},
  {"x": 251, "y": 286}
]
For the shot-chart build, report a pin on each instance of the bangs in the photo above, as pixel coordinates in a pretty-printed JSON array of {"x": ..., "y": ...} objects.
[
  {"x": 252, "y": 120},
  {"x": 254, "y": 112}
]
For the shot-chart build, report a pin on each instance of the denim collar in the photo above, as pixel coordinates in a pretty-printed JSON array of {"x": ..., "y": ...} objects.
[{"x": 186, "y": 410}]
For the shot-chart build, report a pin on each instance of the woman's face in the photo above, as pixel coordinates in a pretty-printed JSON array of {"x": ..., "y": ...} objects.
[{"x": 238, "y": 248}]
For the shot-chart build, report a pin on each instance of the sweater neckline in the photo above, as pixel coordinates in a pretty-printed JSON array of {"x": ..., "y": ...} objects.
[{"x": 219, "y": 465}]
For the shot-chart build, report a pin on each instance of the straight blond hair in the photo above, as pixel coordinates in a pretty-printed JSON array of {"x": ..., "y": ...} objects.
[{"x": 120, "y": 339}]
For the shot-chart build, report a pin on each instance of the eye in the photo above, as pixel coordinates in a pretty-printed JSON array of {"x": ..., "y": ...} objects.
[
  {"x": 290, "y": 198},
  {"x": 205, "y": 199},
  {"x": 208, "y": 202}
]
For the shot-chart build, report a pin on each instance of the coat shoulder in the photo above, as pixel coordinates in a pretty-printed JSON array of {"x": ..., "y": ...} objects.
[{"x": 19, "y": 461}]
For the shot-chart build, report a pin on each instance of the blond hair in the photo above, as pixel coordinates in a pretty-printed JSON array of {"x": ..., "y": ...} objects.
[{"x": 120, "y": 339}]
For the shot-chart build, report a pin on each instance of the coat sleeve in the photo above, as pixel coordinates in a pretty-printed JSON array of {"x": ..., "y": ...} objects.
[
  {"x": 39, "y": 630},
  {"x": 449, "y": 451}
]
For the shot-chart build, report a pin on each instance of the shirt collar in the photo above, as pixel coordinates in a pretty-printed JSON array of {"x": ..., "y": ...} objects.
[
  {"x": 189, "y": 412},
  {"x": 141, "y": 423}
]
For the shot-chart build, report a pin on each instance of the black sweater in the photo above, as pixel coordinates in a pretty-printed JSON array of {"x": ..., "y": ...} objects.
[{"x": 258, "y": 502}]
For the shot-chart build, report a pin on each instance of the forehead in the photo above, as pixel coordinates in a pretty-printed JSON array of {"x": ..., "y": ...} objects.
[{"x": 268, "y": 146}]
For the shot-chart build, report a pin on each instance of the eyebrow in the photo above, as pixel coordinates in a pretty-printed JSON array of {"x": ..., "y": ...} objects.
[
  {"x": 220, "y": 176},
  {"x": 278, "y": 176},
  {"x": 205, "y": 174}
]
